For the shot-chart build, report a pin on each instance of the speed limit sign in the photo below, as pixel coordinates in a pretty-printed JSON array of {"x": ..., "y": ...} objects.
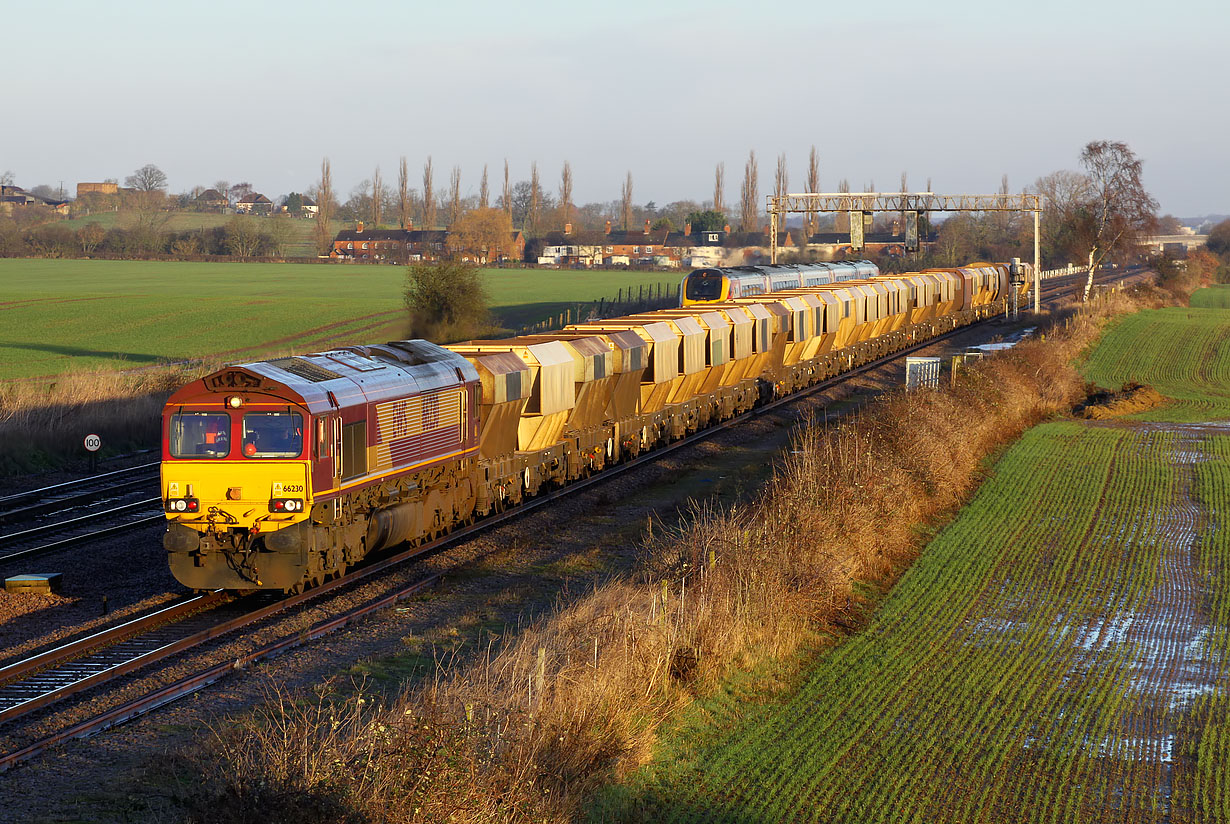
[{"x": 93, "y": 443}]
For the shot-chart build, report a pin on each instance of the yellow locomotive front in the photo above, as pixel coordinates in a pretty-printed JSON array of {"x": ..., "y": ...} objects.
[{"x": 236, "y": 470}]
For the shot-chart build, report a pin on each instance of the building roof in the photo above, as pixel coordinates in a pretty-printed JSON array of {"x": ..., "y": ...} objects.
[
  {"x": 402, "y": 235},
  {"x": 210, "y": 195},
  {"x": 254, "y": 197},
  {"x": 304, "y": 200},
  {"x": 698, "y": 237},
  {"x": 637, "y": 237}
]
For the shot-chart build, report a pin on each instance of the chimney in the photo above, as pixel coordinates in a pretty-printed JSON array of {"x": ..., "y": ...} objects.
[
  {"x": 608, "y": 227},
  {"x": 359, "y": 228},
  {"x": 687, "y": 229},
  {"x": 409, "y": 225},
  {"x": 646, "y": 227},
  {"x": 567, "y": 228}
]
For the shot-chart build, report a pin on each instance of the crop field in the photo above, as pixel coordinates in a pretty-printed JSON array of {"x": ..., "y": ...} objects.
[
  {"x": 59, "y": 315},
  {"x": 1214, "y": 297},
  {"x": 1058, "y": 653},
  {"x": 1183, "y": 353}
]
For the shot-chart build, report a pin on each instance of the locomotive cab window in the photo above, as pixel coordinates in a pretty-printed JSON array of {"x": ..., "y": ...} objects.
[
  {"x": 272, "y": 434},
  {"x": 703, "y": 287},
  {"x": 200, "y": 435}
]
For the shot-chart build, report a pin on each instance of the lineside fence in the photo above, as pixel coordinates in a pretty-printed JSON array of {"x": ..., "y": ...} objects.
[
  {"x": 629, "y": 300},
  {"x": 1070, "y": 269}
]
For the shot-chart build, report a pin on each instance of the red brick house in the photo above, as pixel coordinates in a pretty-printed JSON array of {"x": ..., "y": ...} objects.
[{"x": 405, "y": 245}]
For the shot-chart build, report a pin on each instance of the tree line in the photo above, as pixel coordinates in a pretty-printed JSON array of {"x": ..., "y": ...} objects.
[
  {"x": 239, "y": 237},
  {"x": 1091, "y": 216}
]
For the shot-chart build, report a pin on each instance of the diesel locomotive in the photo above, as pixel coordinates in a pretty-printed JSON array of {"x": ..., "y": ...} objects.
[{"x": 282, "y": 473}]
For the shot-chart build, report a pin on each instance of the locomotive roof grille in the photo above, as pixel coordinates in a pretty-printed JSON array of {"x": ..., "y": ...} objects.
[{"x": 304, "y": 369}]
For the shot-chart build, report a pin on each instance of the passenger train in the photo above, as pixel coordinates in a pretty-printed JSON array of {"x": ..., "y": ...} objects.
[
  {"x": 715, "y": 284},
  {"x": 281, "y": 473}
]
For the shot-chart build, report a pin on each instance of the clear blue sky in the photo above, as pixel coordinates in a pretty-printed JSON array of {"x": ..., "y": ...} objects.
[{"x": 961, "y": 92}]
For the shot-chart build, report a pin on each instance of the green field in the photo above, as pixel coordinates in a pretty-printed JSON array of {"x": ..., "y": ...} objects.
[
  {"x": 1183, "y": 353},
  {"x": 1214, "y": 297},
  {"x": 1058, "y": 653},
  {"x": 59, "y": 315}
]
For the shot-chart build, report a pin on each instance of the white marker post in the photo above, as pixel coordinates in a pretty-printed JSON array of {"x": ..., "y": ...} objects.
[{"x": 92, "y": 444}]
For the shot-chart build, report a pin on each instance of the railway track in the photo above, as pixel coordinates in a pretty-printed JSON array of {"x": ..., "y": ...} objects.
[
  {"x": 52, "y": 517},
  {"x": 41, "y": 680}
]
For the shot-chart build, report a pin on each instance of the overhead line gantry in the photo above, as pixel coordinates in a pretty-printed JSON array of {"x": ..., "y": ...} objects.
[{"x": 860, "y": 206}]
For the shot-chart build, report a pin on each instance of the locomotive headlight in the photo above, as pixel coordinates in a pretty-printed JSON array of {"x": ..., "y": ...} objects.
[
  {"x": 286, "y": 505},
  {"x": 183, "y": 505},
  {"x": 180, "y": 506},
  {"x": 234, "y": 402}
]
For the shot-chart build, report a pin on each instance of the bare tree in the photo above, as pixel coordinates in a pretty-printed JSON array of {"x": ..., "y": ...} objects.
[
  {"x": 1063, "y": 195},
  {"x": 1118, "y": 210},
  {"x": 535, "y": 213},
  {"x": 377, "y": 197},
  {"x": 429, "y": 197},
  {"x": 842, "y": 223},
  {"x": 239, "y": 191},
  {"x": 748, "y": 212},
  {"x": 625, "y": 201},
  {"x": 403, "y": 194},
  {"x": 454, "y": 196},
  {"x": 324, "y": 207},
  {"x": 781, "y": 180},
  {"x": 813, "y": 186},
  {"x": 484, "y": 193},
  {"x": 719, "y": 186},
  {"x": 565, "y": 192},
  {"x": 507, "y": 190},
  {"x": 148, "y": 178}
]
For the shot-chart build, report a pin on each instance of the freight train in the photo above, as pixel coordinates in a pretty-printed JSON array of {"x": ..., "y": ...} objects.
[{"x": 282, "y": 473}]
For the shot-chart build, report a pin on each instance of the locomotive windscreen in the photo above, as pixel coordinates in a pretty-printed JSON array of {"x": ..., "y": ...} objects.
[{"x": 703, "y": 284}]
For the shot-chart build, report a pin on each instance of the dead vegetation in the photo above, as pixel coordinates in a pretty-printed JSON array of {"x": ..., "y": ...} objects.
[
  {"x": 42, "y": 423},
  {"x": 525, "y": 730},
  {"x": 1131, "y": 398}
]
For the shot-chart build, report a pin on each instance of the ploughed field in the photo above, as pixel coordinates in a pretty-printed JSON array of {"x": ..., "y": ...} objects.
[
  {"x": 59, "y": 315},
  {"x": 1059, "y": 652}
]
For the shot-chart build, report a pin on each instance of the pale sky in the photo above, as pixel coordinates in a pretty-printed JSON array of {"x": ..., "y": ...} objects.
[{"x": 955, "y": 90}]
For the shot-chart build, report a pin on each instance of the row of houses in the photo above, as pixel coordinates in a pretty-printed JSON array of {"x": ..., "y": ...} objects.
[
  {"x": 254, "y": 203},
  {"x": 413, "y": 245},
  {"x": 657, "y": 248}
]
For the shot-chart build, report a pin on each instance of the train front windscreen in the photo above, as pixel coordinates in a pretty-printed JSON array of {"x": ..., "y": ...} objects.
[{"x": 703, "y": 284}]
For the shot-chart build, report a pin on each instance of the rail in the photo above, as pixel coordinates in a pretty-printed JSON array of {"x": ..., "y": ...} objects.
[{"x": 68, "y": 654}]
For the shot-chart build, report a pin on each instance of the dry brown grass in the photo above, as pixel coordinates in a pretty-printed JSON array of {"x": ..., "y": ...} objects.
[
  {"x": 524, "y": 731},
  {"x": 42, "y": 423}
]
